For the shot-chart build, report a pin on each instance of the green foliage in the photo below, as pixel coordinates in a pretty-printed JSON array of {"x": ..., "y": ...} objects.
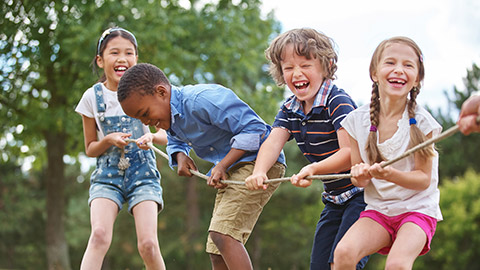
[
  {"x": 458, "y": 153},
  {"x": 456, "y": 241},
  {"x": 22, "y": 216},
  {"x": 46, "y": 48},
  {"x": 286, "y": 227}
]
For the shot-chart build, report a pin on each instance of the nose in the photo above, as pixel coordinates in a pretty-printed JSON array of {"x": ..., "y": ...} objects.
[
  {"x": 122, "y": 57},
  {"x": 398, "y": 69},
  {"x": 296, "y": 72}
]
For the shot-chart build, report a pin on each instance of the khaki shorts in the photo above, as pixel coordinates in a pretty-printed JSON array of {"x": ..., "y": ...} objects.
[{"x": 236, "y": 208}]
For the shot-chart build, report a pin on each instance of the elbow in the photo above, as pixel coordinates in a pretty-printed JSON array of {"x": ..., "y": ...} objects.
[
  {"x": 89, "y": 154},
  {"x": 423, "y": 185}
]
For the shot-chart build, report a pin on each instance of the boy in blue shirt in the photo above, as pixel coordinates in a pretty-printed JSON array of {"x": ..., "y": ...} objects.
[
  {"x": 220, "y": 128},
  {"x": 305, "y": 61}
]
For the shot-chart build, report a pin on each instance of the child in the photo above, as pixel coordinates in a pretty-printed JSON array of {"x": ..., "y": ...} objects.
[
  {"x": 402, "y": 199},
  {"x": 468, "y": 114},
  {"x": 222, "y": 129},
  {"x": 305, "y": 61},
  {"x": 124, "y": 172}
]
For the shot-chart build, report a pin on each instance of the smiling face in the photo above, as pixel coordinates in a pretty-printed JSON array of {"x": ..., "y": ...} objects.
[
  {"x": 152, "y": 110},
  {"x": 303, "y": 76},
  {"x": 118, "y": 55},
  {"x": 397, "y": 71}
]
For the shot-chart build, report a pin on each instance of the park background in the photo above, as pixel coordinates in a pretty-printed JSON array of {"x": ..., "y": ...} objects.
[{"x": 45, "y": 52}]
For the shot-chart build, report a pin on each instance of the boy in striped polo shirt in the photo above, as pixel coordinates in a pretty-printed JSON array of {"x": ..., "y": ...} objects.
[{"x": 305, "y": 61}]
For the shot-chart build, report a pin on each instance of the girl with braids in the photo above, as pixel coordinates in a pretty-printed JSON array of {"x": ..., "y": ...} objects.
[{"x": 402, "y": 199}]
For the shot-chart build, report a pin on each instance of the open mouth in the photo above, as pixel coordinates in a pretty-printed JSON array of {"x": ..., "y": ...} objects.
[
  {"x": 120, "y": 70},
  {"x": 397, "y": 81},
  {"x": 301, "y": 85}
]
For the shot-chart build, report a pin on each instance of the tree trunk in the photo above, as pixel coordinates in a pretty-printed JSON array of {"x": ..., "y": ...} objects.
[
  {"x": 256, "y": 252},
  {"x": 57, "y": 248},
  {"x": 193, "y": 220}
]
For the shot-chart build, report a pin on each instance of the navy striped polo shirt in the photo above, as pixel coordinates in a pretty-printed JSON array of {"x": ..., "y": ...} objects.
[{"x": 316, "y": 134}]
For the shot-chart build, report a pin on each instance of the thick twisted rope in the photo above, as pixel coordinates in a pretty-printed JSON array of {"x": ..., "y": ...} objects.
[{"x": 333, "y": 177}]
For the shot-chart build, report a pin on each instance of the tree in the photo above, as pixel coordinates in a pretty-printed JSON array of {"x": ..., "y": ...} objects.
[
  {"x": 45, "y": 51},
  {"x": 458, "y": 153},
  {"x": 456, "y": 239}
]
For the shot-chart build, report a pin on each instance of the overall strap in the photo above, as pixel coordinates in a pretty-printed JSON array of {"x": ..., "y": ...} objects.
[{"x": 101, "y": 106}]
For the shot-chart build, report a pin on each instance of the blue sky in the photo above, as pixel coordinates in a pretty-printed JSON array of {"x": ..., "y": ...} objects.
[{"x": 447, "y": 31}]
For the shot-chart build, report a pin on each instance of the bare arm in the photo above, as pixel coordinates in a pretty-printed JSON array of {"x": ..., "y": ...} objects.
[
  {"x": 267, "y": 156},
  {"x": 159, "y": 137},
  {"x": 338, "y": 162},
  {"x": 360, "y": 175},
  {"x": 93, "y": 147},
  {"x": 417, "y": 179},
  {"x": 219, "y": 172}
]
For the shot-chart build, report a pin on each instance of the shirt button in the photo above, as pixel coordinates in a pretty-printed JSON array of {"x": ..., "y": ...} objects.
[
  {"x": 211, "y": 149},
  {"x": 304, "y": 123},
  {"x": 190, "y": 144}
]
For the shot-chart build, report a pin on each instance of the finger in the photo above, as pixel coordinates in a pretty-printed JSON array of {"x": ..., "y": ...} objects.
[{"x": 294, "y": 179}]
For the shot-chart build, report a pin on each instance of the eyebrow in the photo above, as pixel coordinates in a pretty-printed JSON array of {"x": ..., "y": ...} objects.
[
  {"x": 139, "y": 112},
  {"x": 117, "y": 48}
]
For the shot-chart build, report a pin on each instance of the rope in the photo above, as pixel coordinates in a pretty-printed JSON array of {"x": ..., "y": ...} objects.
[{"x": 449, "y": 132}]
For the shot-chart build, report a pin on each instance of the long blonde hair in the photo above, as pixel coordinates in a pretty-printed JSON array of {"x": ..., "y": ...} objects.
[{"x": 416, "y": 135}]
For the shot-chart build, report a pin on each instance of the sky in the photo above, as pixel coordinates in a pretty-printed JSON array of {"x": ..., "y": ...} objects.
[{"x": 447, "y": 31}]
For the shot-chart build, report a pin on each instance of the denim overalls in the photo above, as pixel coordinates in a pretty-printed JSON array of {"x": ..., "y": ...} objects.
[{"x": 140, "y": 181}]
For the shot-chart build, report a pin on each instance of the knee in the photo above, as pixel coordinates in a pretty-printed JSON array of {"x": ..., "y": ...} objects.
[
  {"x": 148, "y": 248},
  {"x": 343, "y": 257},
  {"x": 216, "y": 259},
  {"x": 396, "y": 264},
  {"x": 100, "y": 238}
]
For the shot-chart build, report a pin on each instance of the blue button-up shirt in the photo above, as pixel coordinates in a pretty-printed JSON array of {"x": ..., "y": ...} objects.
[{"x": 211, "y": 119}]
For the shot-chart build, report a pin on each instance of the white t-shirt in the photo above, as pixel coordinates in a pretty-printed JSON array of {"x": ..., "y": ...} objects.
[
  {"x": 386, "y": 197},
  {"x": 88, "y": 107}
]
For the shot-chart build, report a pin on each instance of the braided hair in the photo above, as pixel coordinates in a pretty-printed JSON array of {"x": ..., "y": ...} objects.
[{"x": 416, "y": 135}]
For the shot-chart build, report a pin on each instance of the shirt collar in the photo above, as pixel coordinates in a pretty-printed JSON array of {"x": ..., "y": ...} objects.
[
  {"x": 175, "y": 102},
  {"x": 320, "y": 99}
]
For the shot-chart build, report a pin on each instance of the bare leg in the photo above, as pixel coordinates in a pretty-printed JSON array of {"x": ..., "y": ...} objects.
[
  {"x": 102, "y": 216},
  {"x": 363, "y": 238},
  {"x": 234, "y": 254},
  {"x": 217, "y": 262},
  {"x": 407, "y": 246},
  {"x": 145, "y": 214}
]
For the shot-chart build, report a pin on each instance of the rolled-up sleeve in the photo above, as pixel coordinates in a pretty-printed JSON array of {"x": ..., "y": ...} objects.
[{"x": 247, "y": 142}]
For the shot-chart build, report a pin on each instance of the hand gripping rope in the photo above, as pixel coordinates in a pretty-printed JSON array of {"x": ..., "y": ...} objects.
[{"x": 449, "y": 132}]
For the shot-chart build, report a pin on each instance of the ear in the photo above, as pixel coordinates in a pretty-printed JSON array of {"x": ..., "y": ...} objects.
[
  {"x": 417, "y": 82},
  {"x": 161, "y": 90},
  {"x": 374, "y": 77},
  {"x": 99, "y": 61}
]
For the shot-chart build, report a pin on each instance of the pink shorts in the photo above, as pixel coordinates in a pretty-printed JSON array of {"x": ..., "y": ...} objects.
[{"x": 393, "y": 224}]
